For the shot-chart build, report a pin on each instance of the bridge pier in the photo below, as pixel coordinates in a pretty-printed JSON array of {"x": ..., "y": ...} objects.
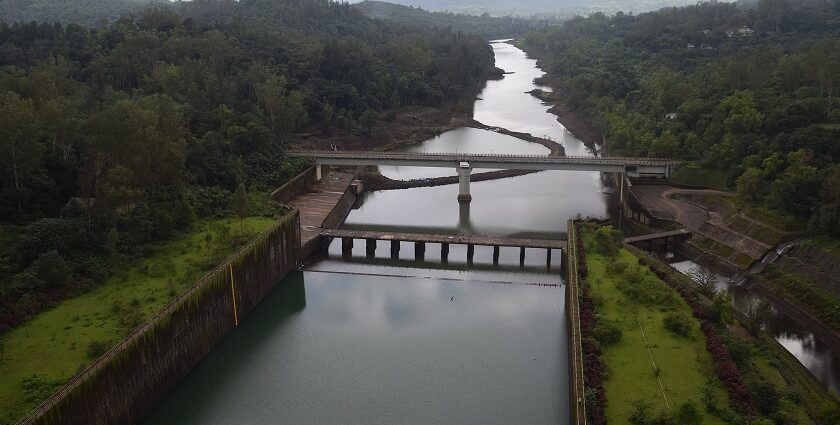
[
  {"x": 464, "y": 182},
  {"x": 548, "y": 258},
  {"x": 496, "y": 255},
  {"x": 521, "y": 256},
  {"x": 444, "y": 252},
  {"x": 318, "y": 172},
  {"x": 346, "y": 247},
  {"x": 470, "y": 253},
  {"x": 395, "y": 249},
  {"x": 419, "y": 251},
  {"x": 370, "y": 247}
]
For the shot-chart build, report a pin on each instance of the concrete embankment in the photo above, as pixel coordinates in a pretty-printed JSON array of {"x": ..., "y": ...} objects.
[{"x": 123, "y": 385}]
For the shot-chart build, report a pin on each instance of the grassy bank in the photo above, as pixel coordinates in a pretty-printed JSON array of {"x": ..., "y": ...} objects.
[
  {"x": 782, "y": 388},
  {"x": 650, "y": 365},
  {"x": 693, "y": 175},
  {"x": 51, "y": 347}
]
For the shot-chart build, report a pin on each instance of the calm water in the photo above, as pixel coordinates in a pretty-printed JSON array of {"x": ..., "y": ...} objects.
[
  {"x": 535, "y": 204},
  {"x": 385, "y": 341},
  {"x": 328, "y": 348},
  {"x": 817, "y": 356}
]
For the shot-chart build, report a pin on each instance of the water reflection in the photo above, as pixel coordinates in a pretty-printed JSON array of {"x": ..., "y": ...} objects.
[
  {"x": 379, "y": 350},
  {"x": 814, "y": 354}
]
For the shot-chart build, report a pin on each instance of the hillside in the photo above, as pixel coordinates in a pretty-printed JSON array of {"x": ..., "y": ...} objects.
[
  {"x": 485, "y": 25},
  {"x": 562, "y": 8},
  {"x": 84, "y": 12}
]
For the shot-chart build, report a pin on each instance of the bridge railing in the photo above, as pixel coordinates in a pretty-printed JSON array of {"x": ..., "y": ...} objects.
[{"x": 456, "y": 155}]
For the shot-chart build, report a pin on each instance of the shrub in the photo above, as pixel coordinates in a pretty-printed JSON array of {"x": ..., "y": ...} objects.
[
  {"x": 38, "y": 387},
  {"x": 606, "y": 331},
  {"x": 96, "y": 349},
  {"x": 689, "y": 414},
  {"x": 765, "y": 396},
  {"x": 677, "y": 323}
]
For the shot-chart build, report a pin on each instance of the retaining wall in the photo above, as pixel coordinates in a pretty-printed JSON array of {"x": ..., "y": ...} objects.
[
  {"x": 297, "y": 185},
  {"x": 123, "y": 385},
  {"x": 577, "y": 407}
]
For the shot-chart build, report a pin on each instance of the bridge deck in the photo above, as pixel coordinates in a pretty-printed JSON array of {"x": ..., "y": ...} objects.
[
  {"x": 660, "y": 235},
  {"x": 450, "y": 239},
  {"x": 317, "y": 202}
]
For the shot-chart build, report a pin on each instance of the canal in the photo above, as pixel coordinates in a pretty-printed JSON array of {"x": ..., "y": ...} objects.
[{"x": 381, "y": 340}]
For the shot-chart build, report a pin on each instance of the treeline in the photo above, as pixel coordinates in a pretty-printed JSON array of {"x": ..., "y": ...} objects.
[
  {"x": 749, "y": 91},
  {"x": 116, "y": 137},
  {"x": 489, "y": 27}
]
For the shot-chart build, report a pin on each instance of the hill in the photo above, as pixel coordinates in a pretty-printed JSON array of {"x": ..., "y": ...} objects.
[
  {"x": 484, "y": 25},
  {"x": 85, "y": 12}
]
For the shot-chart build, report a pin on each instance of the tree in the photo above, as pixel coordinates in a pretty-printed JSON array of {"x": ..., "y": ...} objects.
[
  {"x": 706, "y": 279},
  {"x": 20, "y": 150},
  {"x": 757, "y": 313},
  {"x": 689, "y": 414},
  {"x": 112, "y": 241},
  {"x": 239, "y": 202},
  {"x": 368, "y": 118}
]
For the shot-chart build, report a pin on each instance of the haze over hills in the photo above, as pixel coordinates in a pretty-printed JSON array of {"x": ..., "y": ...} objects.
[
  {"x": 541, "y": 7},
  {"x": 87, "y": 12}
]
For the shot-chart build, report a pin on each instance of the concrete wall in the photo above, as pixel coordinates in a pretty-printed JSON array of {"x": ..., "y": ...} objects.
[
  {"x": 297, "y": 185},
  {"x": 128, "y": 381}
]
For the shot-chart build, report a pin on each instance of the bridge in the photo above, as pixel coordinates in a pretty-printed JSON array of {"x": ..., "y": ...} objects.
[
  {"x": 680, "y": 234},
  {"x": 421, "y": 239},
  {"x": 465, "y": 162}
]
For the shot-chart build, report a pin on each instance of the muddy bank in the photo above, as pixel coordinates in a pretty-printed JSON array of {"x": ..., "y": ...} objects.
[
  {"x": 580, "y": 123},
  {"x": 374, "y": 181}
]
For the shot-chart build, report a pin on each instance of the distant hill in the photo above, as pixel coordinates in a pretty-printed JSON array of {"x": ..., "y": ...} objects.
[
  {"x": 85, "y": 12},
  {"x": 541, "y": 7},
  {"x": 486, "y": 26}
]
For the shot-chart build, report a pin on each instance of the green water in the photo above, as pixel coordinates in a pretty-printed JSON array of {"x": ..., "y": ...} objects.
[{"x": 333, "y": 348}]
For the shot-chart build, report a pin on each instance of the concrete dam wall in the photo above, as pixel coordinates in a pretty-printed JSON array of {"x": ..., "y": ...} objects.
[{"x": 123, "y": 385}]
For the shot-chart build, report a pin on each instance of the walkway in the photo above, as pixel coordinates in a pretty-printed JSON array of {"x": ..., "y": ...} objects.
[
  {"x": 318, "y": 202},
  {"x": 660, "y": 235}
]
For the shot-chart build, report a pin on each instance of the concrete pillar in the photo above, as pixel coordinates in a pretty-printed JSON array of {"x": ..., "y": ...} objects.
[
  {"x": 464, "y": 182},
  {"x": 317, "y": 172},
  {"x": 419, "y": 251},
  {"x": 548, "y": 258},
  {"x": 444, "y": 252},
  {"x": 470, "y": 253},
  {"x": 370, "y": 247},
  {"x": 395, "y": 249},
  {"x": 495, "y": 255},
  {"x": 522, "y": 256},
  {"x": 347, "y": 247}
]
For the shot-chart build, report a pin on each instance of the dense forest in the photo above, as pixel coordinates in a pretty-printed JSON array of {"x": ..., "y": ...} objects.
[
  {"x": 747, "y": 90},
  {"x": 116, "y": 137}
]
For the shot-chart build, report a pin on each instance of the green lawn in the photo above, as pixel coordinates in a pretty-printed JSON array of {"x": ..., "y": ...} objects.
[
  {"x": 55, "y": 344},
  {"x": 684, "y": 363}
]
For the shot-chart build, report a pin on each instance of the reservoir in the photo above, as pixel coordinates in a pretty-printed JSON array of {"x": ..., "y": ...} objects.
[{"x": 381, "y": 340}]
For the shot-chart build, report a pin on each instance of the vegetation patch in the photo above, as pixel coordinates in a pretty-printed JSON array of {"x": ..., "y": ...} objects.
[
  {"x": 694, "y": 175},
  {"x": 57, "y": 343},
  {"x": 649, "y": 372}
]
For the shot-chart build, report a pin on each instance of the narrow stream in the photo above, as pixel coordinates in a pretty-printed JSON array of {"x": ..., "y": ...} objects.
[{"x": 812, "y": 352}]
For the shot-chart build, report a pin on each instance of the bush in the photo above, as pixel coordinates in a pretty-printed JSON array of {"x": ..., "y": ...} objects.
[
  {"x": 37, "y": 388},
  {"x": 765, "y": 397},
  {"x": 606, "y": 331},
  {"x": 96, "y": 349},
  {"x": 678, "y": 323},
  {"x": 689, "y": 414}
]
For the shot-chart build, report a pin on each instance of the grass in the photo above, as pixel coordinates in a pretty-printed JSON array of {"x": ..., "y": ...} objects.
[
  {"x": 694, "y": 175},
  {"x": 59, "y": 342},
  {"x": 684, "y": 363}
]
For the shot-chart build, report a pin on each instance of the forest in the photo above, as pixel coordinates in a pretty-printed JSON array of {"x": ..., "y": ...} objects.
[
  {"x": 747, "y": 90},
  {"x": 117, "y": 137}
]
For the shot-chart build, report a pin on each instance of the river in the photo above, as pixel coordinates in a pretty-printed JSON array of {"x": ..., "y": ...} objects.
[{"x": 379, "y": 340}]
